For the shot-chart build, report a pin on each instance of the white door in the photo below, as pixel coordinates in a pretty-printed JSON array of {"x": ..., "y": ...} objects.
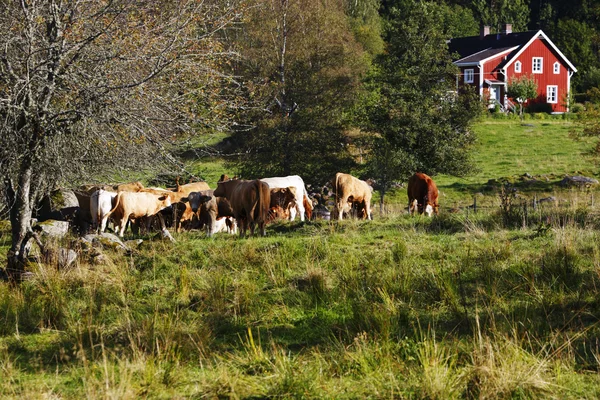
[{"x": 493, "y": 96}]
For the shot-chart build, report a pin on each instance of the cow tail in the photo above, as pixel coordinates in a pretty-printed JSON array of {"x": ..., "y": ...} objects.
[
  {"x": 337, "y": 178},
  {"x": 264, "y": 201},
  {"x": 117, "y": 201}
]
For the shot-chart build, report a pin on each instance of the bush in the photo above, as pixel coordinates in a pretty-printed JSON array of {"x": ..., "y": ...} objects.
[{"x": 577, "y": 107}]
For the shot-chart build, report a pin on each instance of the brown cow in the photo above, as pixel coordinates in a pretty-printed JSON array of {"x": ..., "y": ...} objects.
[
  {"x": 211, "y": 210},
  {"x": 249, "y": 200},
  {"x": 282, "y": 200},
  {"x": 422, "y": 195},
  {"x": 138, "y": 205},
  {"x": 351, "y": 191}
]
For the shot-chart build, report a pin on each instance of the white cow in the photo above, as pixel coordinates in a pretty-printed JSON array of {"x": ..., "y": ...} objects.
[
  {"x": 101, "y": 202},
  {"x": 296, "y": 182}
]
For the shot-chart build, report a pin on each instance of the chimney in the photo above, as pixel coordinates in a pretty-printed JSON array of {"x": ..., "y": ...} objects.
[
  {"x": 484, "y": 31},
  {"x": 507, "y": 29}
]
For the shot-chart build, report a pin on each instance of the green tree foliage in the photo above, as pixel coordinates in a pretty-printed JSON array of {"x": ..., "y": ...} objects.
[
  {"x": 303, "y": 66},
  {"x": 521, "y": 89},
  {"x": 579, "y": 42},
  {"x": 495, "y": 13},
  {"x": 422, "y": 124},
  {"x": 366, "y": 24}
]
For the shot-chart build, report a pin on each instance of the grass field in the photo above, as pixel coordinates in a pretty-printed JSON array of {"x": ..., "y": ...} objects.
[{"x": 488, "y": 305}]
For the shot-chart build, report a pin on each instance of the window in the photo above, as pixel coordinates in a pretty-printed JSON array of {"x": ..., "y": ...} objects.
[
  {"x": 518, "y": 66},
  {"x": 537, "y": 63},
  {"x": 552, "y": 94},
  {"x": 469, "y": 75},
  {"x": 557, "y": 67}
]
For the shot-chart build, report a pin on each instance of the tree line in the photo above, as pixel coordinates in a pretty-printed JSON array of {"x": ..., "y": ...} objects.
[{"x": 89, "y": 91}]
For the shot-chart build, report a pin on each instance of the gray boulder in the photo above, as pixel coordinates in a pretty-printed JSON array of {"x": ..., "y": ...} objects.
[
  {"x": 582, "y": 181},
  {"x": 105, "y": 240},
  {"x": 66, "y": 257},
  {"x": 52, "y": 228}
]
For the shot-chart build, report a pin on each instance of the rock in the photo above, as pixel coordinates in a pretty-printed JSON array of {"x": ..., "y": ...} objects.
[
  {"x": 132, "y": 244},
  {"x": 66, "y": 257},
  {"x": 52, "y": 228},
  {"x": 105, "y": 239},
  {"x": 578, "y": 181},
  {"x": 321, "y": 212},
  {"x": 527, "y": 175},
  {"x": 99, "y": 258}
]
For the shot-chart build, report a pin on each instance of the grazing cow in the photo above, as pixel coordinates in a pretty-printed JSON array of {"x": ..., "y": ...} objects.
[
  {"x": 282, "y": 201},
  {"x": 351, "y": 192},
  {"x": 212, "y": 211},
  {"x": 249, "y": 201},
  {"x": 296, "y": 182},
  {"x": 422, "y": 195},
  {"x": 138, "y": 205},
  {"x": 101, "y": 202}
]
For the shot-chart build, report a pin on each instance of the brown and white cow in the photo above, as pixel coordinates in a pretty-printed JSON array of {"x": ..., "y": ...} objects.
[
  {"x": 138, "y": 205},
  {"x": 213, "y": 212},
  {"x": 349, "y": 192},
  {"x": 295, "y": 181},
  {"x": 422, "y": 195},
  {"x": 282, "y": 200},
  {"x": 249, "y": 201}
]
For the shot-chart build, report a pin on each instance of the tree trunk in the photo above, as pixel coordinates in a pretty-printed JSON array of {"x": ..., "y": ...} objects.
[
  {"x": 20, "y": 220},
  {"x": 381, "y": 197}
]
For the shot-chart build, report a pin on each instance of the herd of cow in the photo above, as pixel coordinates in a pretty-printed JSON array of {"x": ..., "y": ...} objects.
[{"x": 238, "y": 204}]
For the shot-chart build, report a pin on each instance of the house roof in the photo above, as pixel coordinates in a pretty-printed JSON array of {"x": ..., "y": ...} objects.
[{"x": 473, "y": 49}]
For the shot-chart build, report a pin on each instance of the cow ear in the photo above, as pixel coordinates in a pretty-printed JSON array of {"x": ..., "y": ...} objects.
[{"x": 184, "y": 199}]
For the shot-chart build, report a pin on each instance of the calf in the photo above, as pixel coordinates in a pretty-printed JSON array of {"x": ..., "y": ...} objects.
[
  {"x": 282, "y": 201},
  {"x": 213, "y": 212}
]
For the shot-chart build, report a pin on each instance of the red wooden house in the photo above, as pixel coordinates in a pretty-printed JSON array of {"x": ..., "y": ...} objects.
[{"x": 489, "y": 61}]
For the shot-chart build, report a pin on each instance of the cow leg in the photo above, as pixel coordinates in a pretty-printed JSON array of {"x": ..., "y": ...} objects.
[
  {"x": 413, "y": 206},
  {"x": 102, "y": 226},
  {"x": 122, "y": 225},
  {"x": 368, "y": 210},
  {"x": 263, "y": 231},
  {"x": 242, "y": 226},
  {"x": 210, "y": 226}
]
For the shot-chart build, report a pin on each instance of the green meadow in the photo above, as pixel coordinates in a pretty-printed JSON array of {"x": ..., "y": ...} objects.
[{"x": 495, "y": 304}]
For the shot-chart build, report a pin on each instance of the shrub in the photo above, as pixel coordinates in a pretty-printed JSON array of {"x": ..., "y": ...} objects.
[{"x": 577, "y": 107}]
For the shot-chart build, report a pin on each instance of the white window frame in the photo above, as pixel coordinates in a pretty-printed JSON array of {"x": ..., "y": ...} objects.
[
  {"x": 534, "y": 61},
  {"x": 556, "y": 68},
  {"x": 552, "y": 89},
  {"x": 518, "y": 66},
  {"x": 469, "y": 75}
]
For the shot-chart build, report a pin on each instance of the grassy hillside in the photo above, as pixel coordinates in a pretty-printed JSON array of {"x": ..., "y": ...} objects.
[
  {"x": 498, "y": 304},
  {"x": 509, "y": 149}
]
